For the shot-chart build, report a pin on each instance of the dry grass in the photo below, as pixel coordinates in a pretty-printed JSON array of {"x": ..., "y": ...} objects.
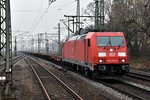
[{"x": 141, "y": 63}]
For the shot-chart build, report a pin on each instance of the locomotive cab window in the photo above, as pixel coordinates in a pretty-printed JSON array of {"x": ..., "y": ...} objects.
[
  {"x": 110, "y": 41},
  {"x": 103, "y": 41},
  {"x": 117, "y": 41}
]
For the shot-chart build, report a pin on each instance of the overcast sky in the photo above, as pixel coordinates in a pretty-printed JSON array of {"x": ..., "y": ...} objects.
[{"x": 26, "y": 14}]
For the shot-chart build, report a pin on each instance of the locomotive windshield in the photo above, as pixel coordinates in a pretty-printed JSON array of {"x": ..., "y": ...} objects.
[{"x": 110, "y": 41}]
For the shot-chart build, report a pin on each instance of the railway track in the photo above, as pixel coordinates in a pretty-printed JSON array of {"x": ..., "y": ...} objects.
[
  {"x": 130, "y": 90},
  {"x": 14, "y": 60},
  {"x": 137, "y": 95},
  {"x": 139, "y": 74},
  {"x": 57, "y": 66},
  {"x": 52, "y": 86},
  {"x": 127, "y": 88}
]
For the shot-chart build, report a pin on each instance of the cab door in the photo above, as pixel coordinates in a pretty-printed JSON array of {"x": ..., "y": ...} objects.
[{"x": 87, "y": 50}]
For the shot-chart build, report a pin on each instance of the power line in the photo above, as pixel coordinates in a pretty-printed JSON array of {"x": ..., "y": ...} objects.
[
  {"x": 41, "y": 10},
  {"x": 37, "y": 14},
  {"x": 40, "y": 19},
  {"x": 42, "y": 16}
]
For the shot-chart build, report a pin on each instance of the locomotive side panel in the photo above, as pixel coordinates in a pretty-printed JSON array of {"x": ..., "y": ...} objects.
[
  {"x": 79, "y": 51},
  {"x": 74, "y": 52}
]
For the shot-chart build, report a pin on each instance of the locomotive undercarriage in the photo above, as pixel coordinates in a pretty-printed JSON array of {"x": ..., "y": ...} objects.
[
  {"x": 108, "y": 70},
  {"x": 112, "y": 69}
]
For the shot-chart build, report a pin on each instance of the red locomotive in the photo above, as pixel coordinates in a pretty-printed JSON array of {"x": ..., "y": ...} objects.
[{"x": 103, "y": 52}]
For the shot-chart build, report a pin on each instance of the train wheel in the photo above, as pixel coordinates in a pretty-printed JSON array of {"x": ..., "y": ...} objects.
[
  {"x": 87, "y": 72},
  {"x": 77, "y": 67}
]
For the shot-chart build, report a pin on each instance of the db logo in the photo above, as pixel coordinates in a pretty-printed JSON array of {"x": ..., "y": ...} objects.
[{"x": 111, "y": 54}]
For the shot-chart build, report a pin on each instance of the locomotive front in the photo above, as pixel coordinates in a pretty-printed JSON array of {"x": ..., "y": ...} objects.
[{"x": 111, "y": 56}]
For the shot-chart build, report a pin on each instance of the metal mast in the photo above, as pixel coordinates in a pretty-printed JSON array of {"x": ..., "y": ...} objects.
[
  {"x": 15, "y": 48},
  {"x": 96, "y": 15},
  {"x": 101, "y": 15},
  {"x": 32, "y": 44},
  {"x": 6, "y": 44},
  {"x": 59, "y": 50},
  {"x": 46, "y": 44},
  {"x": 39, "y": 42},
  {"x": 78, "y": 17}
]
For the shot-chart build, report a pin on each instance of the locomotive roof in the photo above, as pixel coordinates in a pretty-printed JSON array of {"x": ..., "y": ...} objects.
[
  {"x": 77, "y": 37},
  {"x": 90, "y": 34}
]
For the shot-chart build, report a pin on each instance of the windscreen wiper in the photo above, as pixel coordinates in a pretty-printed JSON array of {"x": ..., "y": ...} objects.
[
  {"x": 120, "y": 44},
  {"x": 107, "y": 44}
]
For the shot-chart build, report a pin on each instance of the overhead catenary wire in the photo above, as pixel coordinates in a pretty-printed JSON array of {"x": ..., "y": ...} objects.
[
  {"x": 42, "y": 10},
  {"x": 37, "y": 14},
  {"x": 83, "y": 5},
  {"x": 40, "y": 19}
]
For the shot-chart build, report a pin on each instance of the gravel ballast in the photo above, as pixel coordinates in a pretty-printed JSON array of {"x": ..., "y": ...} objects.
[
  {"x": 89, "y": 89},
  {"x": 27, "y": 87}
]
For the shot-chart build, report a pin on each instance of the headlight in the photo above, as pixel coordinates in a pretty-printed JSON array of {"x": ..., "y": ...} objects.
[
  {"x": 102, "y": 54},
  {"x": 123, "y": 60},
  {"x": 121, "y": 54},
  {"x": 101, "y": 60}
]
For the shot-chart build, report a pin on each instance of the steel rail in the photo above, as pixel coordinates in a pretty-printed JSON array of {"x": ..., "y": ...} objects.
[
  {"x": 12, "y": 59},
  {"x": 130, "y": 84},
  {"x": 119, "y": 90},
  {"x": 74, "y": 94},
  {"x": 139, "y": 74},
  {"x": 55, "y": 64},
  {"x": 18, "y": 58},
  {"x": 122, "y": 91},
  {"x": 39, "y": 80}
]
